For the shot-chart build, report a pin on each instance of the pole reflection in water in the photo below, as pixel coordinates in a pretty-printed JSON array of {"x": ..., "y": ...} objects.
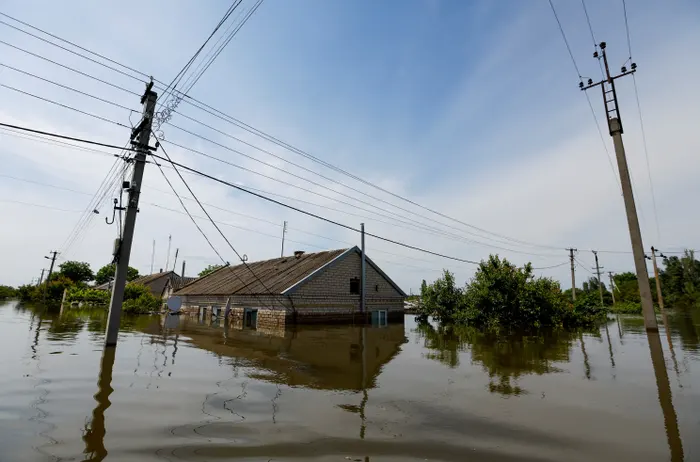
[
  {"x": 610, "y": 350},
  {"x": 665, "y": 398},
  {"x": 363, "y": 404},
  {"x": 586, "y": 364},
  {"x": 94, "y": 432},
  {"x": 667, "y": 328}
]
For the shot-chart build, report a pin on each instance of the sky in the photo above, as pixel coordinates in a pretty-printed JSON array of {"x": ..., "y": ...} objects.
[{"x": 466, "y": 108}]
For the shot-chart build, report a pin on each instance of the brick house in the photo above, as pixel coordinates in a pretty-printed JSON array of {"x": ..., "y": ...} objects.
[{"x": 321, "y": 287}]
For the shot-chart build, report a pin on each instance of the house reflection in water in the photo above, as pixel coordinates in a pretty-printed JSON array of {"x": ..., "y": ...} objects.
[{"x": 336, "y": 357}]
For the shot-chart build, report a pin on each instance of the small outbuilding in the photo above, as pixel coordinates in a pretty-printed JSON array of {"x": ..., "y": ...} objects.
[{"x": 322, "y": 287}]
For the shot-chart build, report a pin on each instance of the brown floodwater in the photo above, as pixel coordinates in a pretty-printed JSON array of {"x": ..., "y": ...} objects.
[{"x": 176, "y": 389}]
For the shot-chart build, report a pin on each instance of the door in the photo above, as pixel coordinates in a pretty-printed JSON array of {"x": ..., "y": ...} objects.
[{"x": 250, "y": 318}]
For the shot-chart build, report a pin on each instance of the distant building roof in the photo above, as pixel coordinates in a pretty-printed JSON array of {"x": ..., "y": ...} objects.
[{"x": 276, "y": 276}]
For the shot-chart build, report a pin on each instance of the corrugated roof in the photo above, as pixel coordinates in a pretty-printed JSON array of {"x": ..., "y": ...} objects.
[{"x": 276, "y": 275}]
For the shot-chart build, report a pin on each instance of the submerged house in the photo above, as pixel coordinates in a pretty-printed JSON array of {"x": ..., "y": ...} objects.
[
  {"x": 162, "y": 284},
  {"x": 322, "y": 287}
]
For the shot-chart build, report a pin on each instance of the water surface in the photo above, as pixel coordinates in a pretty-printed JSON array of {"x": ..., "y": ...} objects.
[{"x": 176, "y": 389}]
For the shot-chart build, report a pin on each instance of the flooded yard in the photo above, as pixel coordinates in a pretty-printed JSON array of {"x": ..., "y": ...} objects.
[{"x": 179, "y": 390}]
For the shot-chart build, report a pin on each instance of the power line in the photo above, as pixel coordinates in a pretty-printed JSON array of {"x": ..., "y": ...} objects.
[
  {"x": 65, "y": 106},
  {"x": 72, "y": 69},
  {"x": 56, "y": 135},
  {"x": 11, "y": 201},
  {"x": 319, "y": 217},
  {"x": 590, "y": 105},
  {"x": 307, "y": 155},
  {"x": 75, "y": 90}
]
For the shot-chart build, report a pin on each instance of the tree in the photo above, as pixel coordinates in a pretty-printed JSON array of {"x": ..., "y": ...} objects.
[
  {"x": 209, "y": 269},
  {"x": 681, "y": 278},
  {"x": 106, "y": 274},
  {"x": 77, "y": 271}
]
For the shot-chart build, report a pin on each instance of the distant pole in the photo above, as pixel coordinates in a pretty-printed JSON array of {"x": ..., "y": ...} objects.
[
  {"x": 284, "y": 231},
  {"x": 183, "y": 268},
  {"x": 153, "y": 255},
  {"x": 612, "y": 110},
  {"x": 142, "y": 133},
  {"x": 177, "y": 251},
  {"x": 612, "y": 286},
  {"x": 41, "y": 279},
  {"x": 167, "y": 258},
  {"x": 658, "y": 280},
  {"x": 363, "y": 290},
  {"x": 600, "y": 283},
  {"x": 573, "y": 274},
  {"x": 53, "y": 260}
]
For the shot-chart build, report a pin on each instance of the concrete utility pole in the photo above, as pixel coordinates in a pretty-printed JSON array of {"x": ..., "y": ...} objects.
[
  {"x": 284, "y": 231},
  {"x": 41, "y": 279},
  {"x": 600, "y": 283},
  {"x": 142, "y": 133},
  {"x": 612, "y": 285},
  {"x": 53, "y": 260},
  {"x": 153, "y": 255},
  {"x": 183, "y": 268},
  {"x": 573, "y": 273},
  {"x": 658, "y": 280},
  {"x": 612, "y": 111},
  {"x": 363, "y": 285}
]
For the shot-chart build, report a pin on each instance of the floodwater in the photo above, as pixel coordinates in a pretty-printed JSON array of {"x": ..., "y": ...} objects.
[{"x": 178, "y": 390}]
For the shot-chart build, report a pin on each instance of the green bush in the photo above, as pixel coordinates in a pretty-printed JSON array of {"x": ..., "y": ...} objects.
[
  {"x": 8, "y": 292},
  {"x": 627, "y": 308},
  {"x": 139, "y": 299},
  {"x": 88, "y": 296},
  {"x": 501, "y": 295}
]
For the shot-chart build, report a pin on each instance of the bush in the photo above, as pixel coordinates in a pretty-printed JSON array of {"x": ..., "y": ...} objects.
[
  {"x": 7, "y": 292},
  {"x": 88, "y": 296},
  {"x": 627, "y": 308},
  {"x": 138, "y": 299},
  {"x": 503, "y": 295}
]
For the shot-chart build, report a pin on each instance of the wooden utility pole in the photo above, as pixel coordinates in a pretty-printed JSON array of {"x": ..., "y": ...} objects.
[
  {"x": 612, "y": 286},
  {"x": 41, "y": 279},
  {"x": 612, "y": 111},
  {"x": 53, "y": 260},
  {"x": 153, "y": 255},
  {"x": 573, "y": 273},
  {"x": 600, "y": 283},
  {"x": 659, "y": 296},
  {"x": 142, "y": 134},
  {"x": 284, "y": 231}
]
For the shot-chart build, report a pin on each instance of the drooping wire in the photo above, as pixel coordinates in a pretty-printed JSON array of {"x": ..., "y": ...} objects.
[
  {"x": 590, "y": 105},
  {"x": 292, "y": 148},
  {"x": 641, "y": 125}
]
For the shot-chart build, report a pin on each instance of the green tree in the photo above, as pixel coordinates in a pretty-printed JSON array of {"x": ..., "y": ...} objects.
[
  {"x": 76, "y": 271},
  {"x": 106, "y": 274},
  {"x": 7, "y": 292},
  {"x": 681, "y": 279},
  {"x": 441, "y": 299},
  {"x": 209, "y": 269}
]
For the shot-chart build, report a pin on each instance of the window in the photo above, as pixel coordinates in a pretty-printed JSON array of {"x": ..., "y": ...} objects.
[
  {"x": 355, "y": 286},
  {"x": 379, "y": 318}
]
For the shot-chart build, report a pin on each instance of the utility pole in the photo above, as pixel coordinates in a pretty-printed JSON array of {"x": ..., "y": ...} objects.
[
  {"x": 658, "y": 280},
  {"x": 600, "y": 283},
  {"x": 142, "y": 134},
  {"x": 167, "y": 258},
  {"x": 612, "y": 111},
  {"x": 612, "y": 286},
  {"x": 53, "y": 260},
  {"x": 363, "y": 287},
  {"x": 153, "y": 255},
  {"x": 41, "y": 279},
  {"x": 573, "y": 273},
  {"x": 284, "y": 231},
  {"x": 177, "y": 251}
]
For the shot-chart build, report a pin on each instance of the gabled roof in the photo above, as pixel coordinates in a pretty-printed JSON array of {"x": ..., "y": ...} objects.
[
  {"x": 156, "y": 282},
  {"x": 276, "y": 276}
]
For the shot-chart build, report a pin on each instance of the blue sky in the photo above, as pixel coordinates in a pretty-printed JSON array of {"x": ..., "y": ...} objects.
[{"x": 470, "y": 108}]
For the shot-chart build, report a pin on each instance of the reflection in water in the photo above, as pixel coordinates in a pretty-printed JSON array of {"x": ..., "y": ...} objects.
[
  {"x": 504, "y": 357},
  {"x": 665, "y": 399},
  {"x": 303, "y": 393},
  {"x": 94, "y": 431}
]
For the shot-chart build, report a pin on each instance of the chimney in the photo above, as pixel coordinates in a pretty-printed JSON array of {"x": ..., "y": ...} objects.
[
  {"x": 298, "y": 253},
  {"x": 160, "y": 270},
  {"x": 183, "y": 268}
]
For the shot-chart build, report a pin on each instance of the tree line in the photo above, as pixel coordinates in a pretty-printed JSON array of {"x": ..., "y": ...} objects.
[
  {"x": 78, "y": 281},
  {"x": 503, "y": 295}
]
